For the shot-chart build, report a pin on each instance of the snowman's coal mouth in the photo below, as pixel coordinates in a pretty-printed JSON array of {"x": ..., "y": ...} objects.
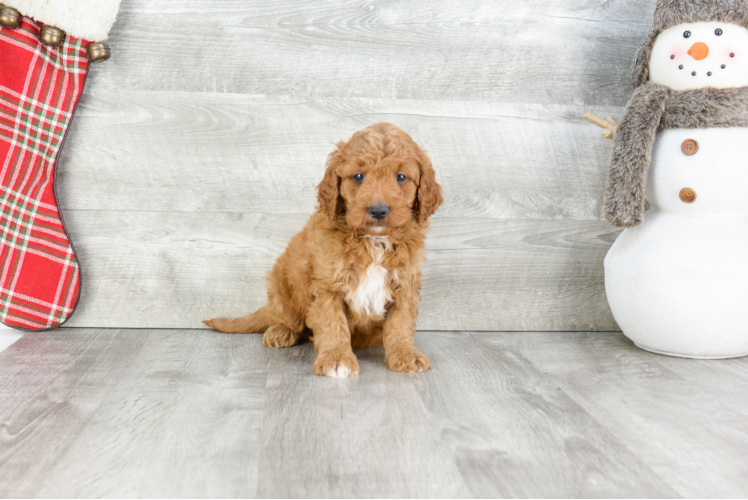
[{"x": 708, "y": 73}]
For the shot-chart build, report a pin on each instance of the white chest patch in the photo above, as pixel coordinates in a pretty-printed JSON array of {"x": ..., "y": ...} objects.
[{"x": 371, "y": 296}]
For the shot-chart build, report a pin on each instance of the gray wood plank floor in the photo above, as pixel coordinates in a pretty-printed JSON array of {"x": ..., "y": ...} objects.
[
  {"x": 195, "y": 150},
  {"x": 188, "y": 413}
]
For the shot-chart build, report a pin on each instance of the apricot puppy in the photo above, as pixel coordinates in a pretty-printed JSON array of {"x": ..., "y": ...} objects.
[{"x": 351, "y": 278}]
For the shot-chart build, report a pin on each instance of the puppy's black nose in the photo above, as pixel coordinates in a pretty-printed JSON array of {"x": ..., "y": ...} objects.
[{"x": 379, "y": 212}]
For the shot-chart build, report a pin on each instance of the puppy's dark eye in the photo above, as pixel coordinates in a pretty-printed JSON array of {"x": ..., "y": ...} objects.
[
  {"x": 401, "y": 178},
  {"x": 718, "y": 32},
  {"x": 358, "y": 177},
  {"x": 687, "y": 34}
]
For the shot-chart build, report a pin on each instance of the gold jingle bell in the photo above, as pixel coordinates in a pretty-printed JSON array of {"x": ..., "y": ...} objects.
[
  {"x": 52, "y": 36},
  {"x": 98, "y": 51},
  {"x": 9, "y": 17}
]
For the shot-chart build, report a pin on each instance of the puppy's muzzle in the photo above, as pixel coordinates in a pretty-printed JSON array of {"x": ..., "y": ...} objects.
[{"x": 379, "y": 212}]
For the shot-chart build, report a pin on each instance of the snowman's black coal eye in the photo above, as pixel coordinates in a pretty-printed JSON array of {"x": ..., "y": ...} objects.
[
  {"x": 672, "y": 57},
  {"x": 687, "y": 34},
  {"x": 718, "y": 32},
  {"x": 680, "y": 67},
  {"x": 693, "y": 73},
  {"x": 724, "y": 66},
  {"x": 358, "y": 177},
  {"x": 732, "y": 54}
]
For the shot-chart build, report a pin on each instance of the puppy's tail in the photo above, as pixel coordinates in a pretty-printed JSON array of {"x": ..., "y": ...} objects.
[{"x": 254, "y": 323}]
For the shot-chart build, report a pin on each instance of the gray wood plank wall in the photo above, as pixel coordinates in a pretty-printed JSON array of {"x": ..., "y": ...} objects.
[{"x": 195, "y": 151}]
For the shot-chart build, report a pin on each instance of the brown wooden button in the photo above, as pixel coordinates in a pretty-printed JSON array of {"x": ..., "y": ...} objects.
[
  {"x": 687, "y": 195},
  {"x": 689, "y": 147}
]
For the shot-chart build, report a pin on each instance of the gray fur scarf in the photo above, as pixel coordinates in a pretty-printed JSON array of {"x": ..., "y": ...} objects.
[{"x": 653, "y": 108}]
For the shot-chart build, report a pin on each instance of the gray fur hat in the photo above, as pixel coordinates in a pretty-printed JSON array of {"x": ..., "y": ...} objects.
[{"x": 669, "y": 13}]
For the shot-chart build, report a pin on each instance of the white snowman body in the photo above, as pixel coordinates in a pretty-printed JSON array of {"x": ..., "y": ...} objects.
[{"x": 678, "y": 283}]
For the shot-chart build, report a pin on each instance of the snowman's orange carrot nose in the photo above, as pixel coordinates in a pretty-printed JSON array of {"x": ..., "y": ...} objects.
[{"x": 699, "y": 51}]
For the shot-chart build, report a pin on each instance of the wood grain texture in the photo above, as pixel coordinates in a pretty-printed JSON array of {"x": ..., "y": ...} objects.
[
  {"x": 195, "y": 151},
  {"x": 660, "y": 404},
  {"x": 47, "y": 399},
  {"x": 205, "y": 191},
  {"x": 481, "y": 273},
  {"x": 166, "y": 151},
  {"x": 566, "y": 51},
  {"x": 365, "y": 437},
  {"x": 180, "y": 409},
  {"x": 509, "y": 425},
  {"x": 146, "y": 413}
]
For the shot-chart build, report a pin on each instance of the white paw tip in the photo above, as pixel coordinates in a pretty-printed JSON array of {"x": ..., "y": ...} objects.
[{"x": 339, "y": 372}]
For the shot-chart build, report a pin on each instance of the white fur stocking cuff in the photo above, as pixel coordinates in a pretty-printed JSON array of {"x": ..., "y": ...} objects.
[{"x": 87, "y": 19}]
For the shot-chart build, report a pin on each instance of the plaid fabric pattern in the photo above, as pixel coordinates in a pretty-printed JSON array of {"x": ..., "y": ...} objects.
[{"x": 39, "y": 89}]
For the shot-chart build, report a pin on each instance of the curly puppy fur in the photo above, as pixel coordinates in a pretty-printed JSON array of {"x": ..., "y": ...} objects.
[
  {"x": 670, "y": 13},
  {"x": 653, "y": 108},
  {"x": 349, "y": 280}
]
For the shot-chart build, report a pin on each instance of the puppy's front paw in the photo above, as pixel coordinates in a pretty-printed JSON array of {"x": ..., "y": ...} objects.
[
  {"x": 280, "y": 336},
  {"x": 408, "y": 360},
  {"x": 336, "y": 364}
]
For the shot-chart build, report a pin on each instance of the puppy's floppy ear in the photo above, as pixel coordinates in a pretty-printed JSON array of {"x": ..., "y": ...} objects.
[
  {"x": 429, "y": 195},
  {"x": 328, "y": 191}
]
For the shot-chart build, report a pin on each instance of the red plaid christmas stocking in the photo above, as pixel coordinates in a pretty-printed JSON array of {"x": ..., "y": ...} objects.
[{"x": 40, "y": 85}]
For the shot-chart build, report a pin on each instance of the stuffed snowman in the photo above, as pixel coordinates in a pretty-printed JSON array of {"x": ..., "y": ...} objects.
[{"x": 677, "y": 277}]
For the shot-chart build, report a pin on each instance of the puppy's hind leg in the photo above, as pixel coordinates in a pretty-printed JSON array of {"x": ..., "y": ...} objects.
[
  {"x": 256, "y": 322},
  {"x": 287, "y": 327},
  {"x": 278, "y": 336}
]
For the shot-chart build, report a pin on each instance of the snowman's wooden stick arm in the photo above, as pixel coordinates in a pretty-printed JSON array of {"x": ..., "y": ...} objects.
[{"x": 608, "y": 124}]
